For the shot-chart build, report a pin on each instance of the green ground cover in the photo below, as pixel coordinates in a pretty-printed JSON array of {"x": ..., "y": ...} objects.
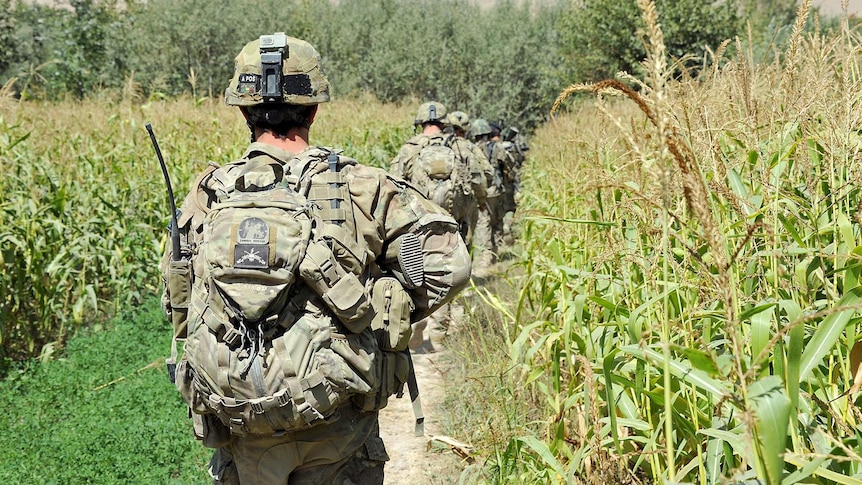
[{"x": 104, "y": 412}]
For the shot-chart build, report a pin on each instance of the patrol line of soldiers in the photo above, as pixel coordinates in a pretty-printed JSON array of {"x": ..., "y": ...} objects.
[{"x": 493, "y": 158}]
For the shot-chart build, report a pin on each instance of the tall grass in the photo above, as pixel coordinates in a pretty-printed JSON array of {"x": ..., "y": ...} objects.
[
  {"x": 691, "y": 276},
  {"x": 84, "y": 208}
]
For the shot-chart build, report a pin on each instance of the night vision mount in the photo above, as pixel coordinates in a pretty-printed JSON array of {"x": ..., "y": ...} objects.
[{"x": 273, "y": 51}]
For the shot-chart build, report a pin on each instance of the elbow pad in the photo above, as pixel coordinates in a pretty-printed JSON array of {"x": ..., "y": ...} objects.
[{"x": 406, "y": 251}]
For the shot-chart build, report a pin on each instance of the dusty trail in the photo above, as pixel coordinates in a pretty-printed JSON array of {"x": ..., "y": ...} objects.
[{"x": 412, "y": 460}]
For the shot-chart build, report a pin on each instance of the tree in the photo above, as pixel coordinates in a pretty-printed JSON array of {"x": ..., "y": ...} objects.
[{"x": 602, "y": 37}]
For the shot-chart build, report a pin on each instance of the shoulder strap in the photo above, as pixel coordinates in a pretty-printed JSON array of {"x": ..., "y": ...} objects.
[
  {"x": 322, "y": 181},
  {"x": 199, "y": 187}
]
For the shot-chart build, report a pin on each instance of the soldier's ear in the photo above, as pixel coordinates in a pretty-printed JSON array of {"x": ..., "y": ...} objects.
[{"x": 312, "y": 114}]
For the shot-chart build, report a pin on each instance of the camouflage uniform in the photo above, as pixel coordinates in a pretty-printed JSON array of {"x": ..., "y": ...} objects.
[
  {"x": 347, "y": 448},
  {"x": 489, "y": 236},
  {"x": 509, "y": 161},
  {"x": 466, "y": 213}
]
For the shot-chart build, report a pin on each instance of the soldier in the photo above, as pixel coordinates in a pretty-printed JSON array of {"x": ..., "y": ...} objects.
[
  {"x": 441, "y": 167},
  {"x": 368, "y": 227},
  {"x": 489, "y": 229},
  {"x": 431, "y": 162},
  {"x": 481, "y": 173},
  {"x": 510, "y": 180}
]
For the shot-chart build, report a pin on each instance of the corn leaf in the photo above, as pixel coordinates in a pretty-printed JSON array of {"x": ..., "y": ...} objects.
[{"x": 828, "y": 332}]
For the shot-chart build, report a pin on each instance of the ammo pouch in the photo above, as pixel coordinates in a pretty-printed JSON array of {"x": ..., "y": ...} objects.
[
  {"x": 330, "y": 268},
  {"x": 179, "y": 287},
  {"x": 391, "y": 326}
]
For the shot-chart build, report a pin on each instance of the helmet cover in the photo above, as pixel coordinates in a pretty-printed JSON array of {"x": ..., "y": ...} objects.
[
  {"x": 459, "y": 119},
  {"x": 302, "y": 82},
  {"x": 430, "y": 112}
]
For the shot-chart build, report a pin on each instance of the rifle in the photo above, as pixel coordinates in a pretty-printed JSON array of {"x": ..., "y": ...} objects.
[{"x": 171, "y": 362}]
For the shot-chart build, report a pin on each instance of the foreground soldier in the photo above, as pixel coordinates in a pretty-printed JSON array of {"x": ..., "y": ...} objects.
[{"x": 286, "y": 363}]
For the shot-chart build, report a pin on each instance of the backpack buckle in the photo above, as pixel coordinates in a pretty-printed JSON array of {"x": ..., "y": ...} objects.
[
  {"x": 231, "y": 336},
  {"x": 237, "y": 427}
]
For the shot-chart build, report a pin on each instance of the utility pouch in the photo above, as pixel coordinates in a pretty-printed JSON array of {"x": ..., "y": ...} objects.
[
  {"x": 392, "y": 308},
  {"x": 210, "y": 431},
  {"x": 394, "y": 369},
  {"x": 341, "y": 290},
  {"x": 179, "y": 286}
]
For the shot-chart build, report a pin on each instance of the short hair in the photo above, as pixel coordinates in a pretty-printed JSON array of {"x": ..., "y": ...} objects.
[{"x": 279, "y": 118}]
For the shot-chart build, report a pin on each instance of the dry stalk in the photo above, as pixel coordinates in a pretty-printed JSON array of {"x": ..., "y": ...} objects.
[{"x": 795, "y": 41}]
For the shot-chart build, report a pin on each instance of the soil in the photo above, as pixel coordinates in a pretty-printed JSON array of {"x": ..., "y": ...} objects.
[{"x": 420, "y": 459}]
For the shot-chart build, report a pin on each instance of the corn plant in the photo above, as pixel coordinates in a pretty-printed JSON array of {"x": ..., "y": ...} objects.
[{"x": 691, "y": 267}]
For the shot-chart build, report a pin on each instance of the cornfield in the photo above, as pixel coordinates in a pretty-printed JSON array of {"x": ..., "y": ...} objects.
[
  {"x": 691, "y": 264},
  {"x": 688, "y": 266}
]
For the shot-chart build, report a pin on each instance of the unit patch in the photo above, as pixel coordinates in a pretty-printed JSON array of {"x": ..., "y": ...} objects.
[{"x": 252, "y": 244}]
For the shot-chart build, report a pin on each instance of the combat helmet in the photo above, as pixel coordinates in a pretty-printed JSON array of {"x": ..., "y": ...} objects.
[
  {"x": 430, "y": 112},
  {"x": 480, "y": 127},
  {"x": 460, "y": 120},
  {"x": 277, "y": 69}
]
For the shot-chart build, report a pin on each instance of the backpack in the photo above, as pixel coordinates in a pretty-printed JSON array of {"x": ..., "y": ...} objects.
[
  {"x": 261, "y": 356},
  {"x": 498, "y": 166},
  {"x": 443, "y": 177}
]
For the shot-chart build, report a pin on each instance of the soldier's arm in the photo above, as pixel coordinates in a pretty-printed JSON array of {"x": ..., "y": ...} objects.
[{"x": 418, "y": 233}]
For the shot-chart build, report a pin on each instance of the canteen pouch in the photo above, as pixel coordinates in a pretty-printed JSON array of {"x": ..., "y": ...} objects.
[{"x": 392, "y": 308}]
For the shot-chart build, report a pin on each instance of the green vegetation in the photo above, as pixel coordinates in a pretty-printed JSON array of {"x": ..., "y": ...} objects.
[
  {"x": 599, "y": 38},
  {"x": 691, "y": 258},
  {"x": 506, "y": 62},
  {"x": 105, "y": 413},
  {"x": 681, "y": 306}
]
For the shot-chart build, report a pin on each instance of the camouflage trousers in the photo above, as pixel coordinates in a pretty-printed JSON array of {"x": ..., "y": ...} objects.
[
  {"x": 488, "y": 236},
  {"x": 348, "y": 451}
]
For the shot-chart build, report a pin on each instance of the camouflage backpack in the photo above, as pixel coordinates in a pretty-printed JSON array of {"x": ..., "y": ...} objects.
[
  {"x": 443, "y": 176},
  {"x": 259, "y": 357}
]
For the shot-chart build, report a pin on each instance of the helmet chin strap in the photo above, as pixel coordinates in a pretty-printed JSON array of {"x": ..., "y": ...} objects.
[{"x": 251, "y": 129}]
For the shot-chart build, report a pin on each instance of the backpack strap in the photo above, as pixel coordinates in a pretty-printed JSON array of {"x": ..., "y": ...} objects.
[{"x": 329, "y": 189}]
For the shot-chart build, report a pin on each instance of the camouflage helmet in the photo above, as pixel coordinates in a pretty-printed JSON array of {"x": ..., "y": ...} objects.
[
  {"x": 480, "y": 127},
  {"x": 430, "y": 112},
  {"x": 277, "y": 69},
  {"x": 459, "y": 119}
]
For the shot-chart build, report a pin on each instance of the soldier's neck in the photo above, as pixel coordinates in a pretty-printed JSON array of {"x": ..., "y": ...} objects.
[{"x": 295, "y": 141}]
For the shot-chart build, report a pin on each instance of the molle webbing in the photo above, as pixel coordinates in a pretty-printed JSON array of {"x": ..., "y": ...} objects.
[{"x": 329, "y": 191}]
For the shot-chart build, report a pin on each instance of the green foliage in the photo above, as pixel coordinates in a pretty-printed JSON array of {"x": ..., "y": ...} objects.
[
  {"x": 492, "y": 63},
  {"x": 7, "y": 27},
  {"x": 103, "y": 413},
  {"x": 691, "y": 298},
  {"x": 603, "y": 37},
  {"x": 78, "y": 233}
]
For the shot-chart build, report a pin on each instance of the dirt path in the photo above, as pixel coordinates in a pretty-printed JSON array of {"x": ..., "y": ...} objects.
[{"x": 414, "y": 460}]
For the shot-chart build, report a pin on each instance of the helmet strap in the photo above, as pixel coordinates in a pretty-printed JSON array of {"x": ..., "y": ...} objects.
[{"x": 251, "y": 129}]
